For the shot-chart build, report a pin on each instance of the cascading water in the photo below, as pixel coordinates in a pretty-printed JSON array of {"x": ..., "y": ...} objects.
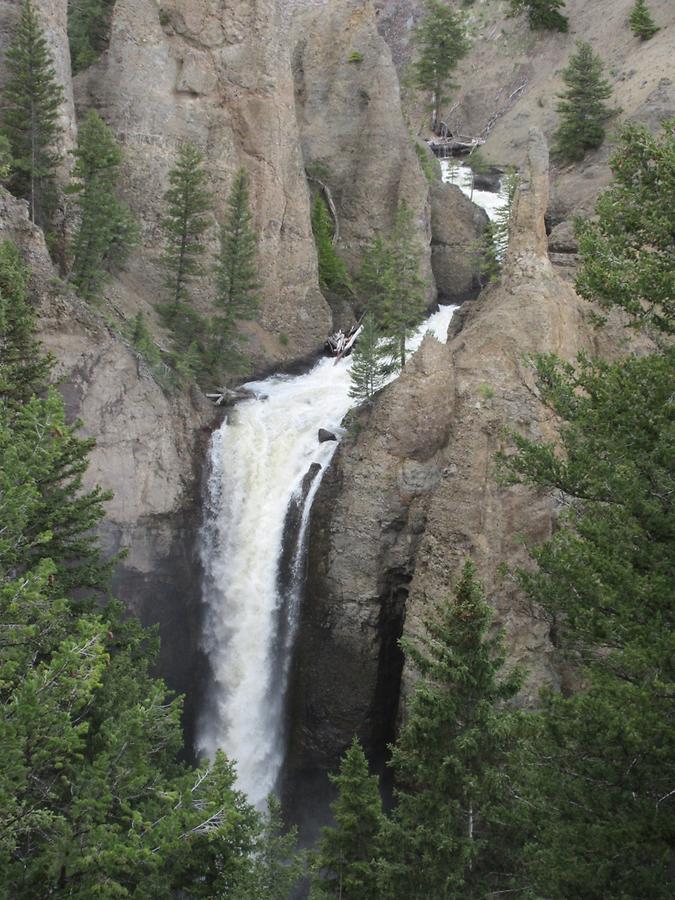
[
  {"x": 258, "y": 461},
  {"x": 259, "y": 464}
]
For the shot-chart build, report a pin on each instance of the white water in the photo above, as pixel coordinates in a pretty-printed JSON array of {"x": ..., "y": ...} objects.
[
  {"x": 454, "y": 173},
  {"x": 258, "y": 460}
]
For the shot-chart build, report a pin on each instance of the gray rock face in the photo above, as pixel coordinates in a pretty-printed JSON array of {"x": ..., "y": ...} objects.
[
  {"x": 412, "y": 494},
  {"x": 217, "y": 74},
  {"x": 352, "y": 129},
  {"x": 456, "y": 225}
]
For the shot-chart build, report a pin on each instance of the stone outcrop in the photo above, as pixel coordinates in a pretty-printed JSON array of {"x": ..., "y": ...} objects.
[
  {"x": 149, "y": 451},
  {"x": 456, "y": 228},
  {"x": 217, "y": 74},
  {"x": 351, "y": 124},
  {"x": 412, "y": 493}
]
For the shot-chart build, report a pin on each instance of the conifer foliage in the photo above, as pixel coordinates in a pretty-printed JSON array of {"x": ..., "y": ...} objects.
[
  {"x": 641, "y": 22},
  {"x": 391, "y": 284},
  {"x": 106, "y": 230},
  {"x": 628, "y": 254},
  {"x": 93, "y": 798},
  {"x": 32, "y": 99},
  {"x": 333, "y": 275},
  {"x": 188, "y": 204},
  {"x": 441, "y": 42},
  {"x": 582, "y": 109},
  {"x": 450, "y": 758},
  {"x": 88, "y": 30},
  {"x": 236, "y": 276},
  {"x": 542, "y": 14},
  {"x": 345, "y": 864},
  {"x": 370, "y": 369}
]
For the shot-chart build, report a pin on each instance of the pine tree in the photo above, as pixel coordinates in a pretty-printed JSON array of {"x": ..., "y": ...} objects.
[
  {"x": 628, "y": 259},
  {"x": 237, "y": 277},
  {"x": 595, "y": 775},
  {"x": 450, "y": 758},
  {"x": 641, "y": 22},
  {"x": 441, "y": 41},
  {"x": 502, "y": 220},
  {"x": 277, "y": 863},
  {"x": 106, "y": 231},
  {"x": 333, "y": 275},
  {"x": 88, "y": 30},
  {"x": 581, "y": 107},
  {"x": 369, "y": 369},
  {"x": 542, "y": 14},
  {"x": 345, "y": 862},
  {"x": 32, "y": 99},
  {"x": 142, "y": 340},
  {"x": 188, "y": 204},
  {"x": 23, "y": 367},
  {"x": 375, "y": 275},
  {"x": 6, "y": 160},
  {"x": 405, "y": 301}
]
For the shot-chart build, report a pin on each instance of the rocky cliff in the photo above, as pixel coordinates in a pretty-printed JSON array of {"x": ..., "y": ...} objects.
[
  {"x": 226, "y": 75},
  {"x": 412, "y": 494}
]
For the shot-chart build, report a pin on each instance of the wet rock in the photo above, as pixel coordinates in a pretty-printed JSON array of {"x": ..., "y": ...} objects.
[{"x": 325, "y": 436}]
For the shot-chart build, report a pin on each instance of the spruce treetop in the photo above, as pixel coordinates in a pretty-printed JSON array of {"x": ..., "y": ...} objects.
[
  {"x": 583, "y": 112},
  {"x": 641, "y": 21},
  {"x": 187, "y": 218},
  {"x": 441, "y": 41}
]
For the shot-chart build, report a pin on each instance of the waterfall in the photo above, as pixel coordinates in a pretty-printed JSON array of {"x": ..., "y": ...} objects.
[{"x": 259, "y": 462}]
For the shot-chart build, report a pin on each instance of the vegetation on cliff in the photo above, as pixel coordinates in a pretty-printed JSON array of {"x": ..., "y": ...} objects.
[
  {"x": 32, "y": 98},
  {"x": 106, "y": 230},
  {"x": 582, "y": 108},
  {"x": 88, "y": 30},
  {"x": 542, "y": 14},
  {"x": 441, "y": 42},
  {"x": 641, "y": 21}
]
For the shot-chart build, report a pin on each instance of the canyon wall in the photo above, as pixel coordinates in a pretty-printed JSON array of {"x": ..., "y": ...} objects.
[{"x": 412, "y": 494}]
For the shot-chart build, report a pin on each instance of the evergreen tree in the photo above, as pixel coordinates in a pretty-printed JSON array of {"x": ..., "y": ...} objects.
[
  {"x": 333, "y": 275},
  {"x": 627, "y": 252},
  {"x": 490, "y": 260},
  {"x": 88, "y": 30},
  {"x": 32, "y": 99},
  {"x": 188, "y": 204},
  {"x": 542, "y": 14},
  {"x": 106, "y": 231},
  {"x": 502, "y": 220},
  {"x": 581, "y": 107},
  {"x": 6, "y": 160},
  {"x": 369, "y": 369},
  {"x": 237, "y": 277},
  {"x": 375, "y": 276},
  {"x": 641, "y": 22},
  {"x": 450, "y": 758},
  {"x": 405, "y": 302},
  {"x": 346, "y": 860},
  {"x": 142, "y": 340},
  {"x": 441, "y": 42},
  {"x": 277, "y": 864},
  {"x": 596, "y": 773},
  {"x": 23, "y": 368}
]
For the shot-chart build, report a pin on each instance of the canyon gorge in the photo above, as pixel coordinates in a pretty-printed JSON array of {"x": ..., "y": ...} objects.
[{"x": 302, "y": 92}]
